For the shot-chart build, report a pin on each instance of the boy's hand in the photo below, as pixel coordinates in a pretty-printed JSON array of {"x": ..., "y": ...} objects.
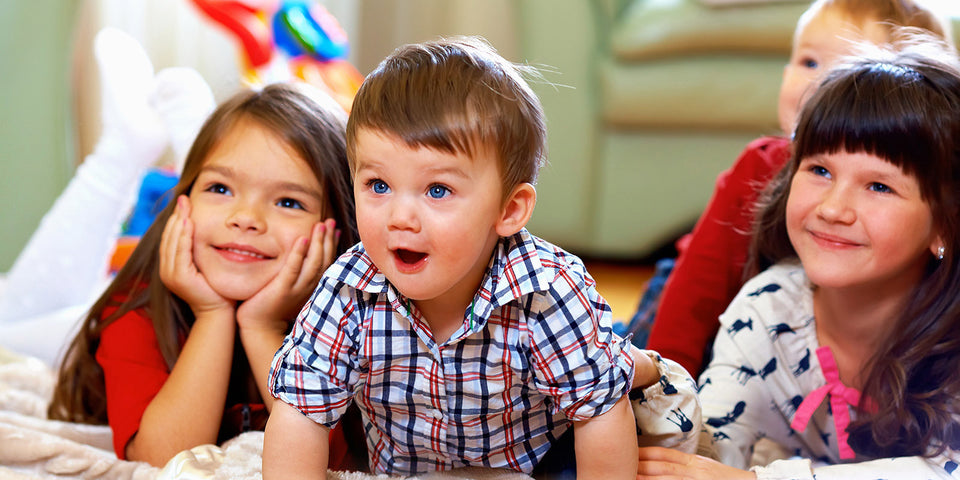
[
  {"x": 279, "y": 301},
  {"x": 178, "y": 272},
  {"x": 659, "y": 462}
]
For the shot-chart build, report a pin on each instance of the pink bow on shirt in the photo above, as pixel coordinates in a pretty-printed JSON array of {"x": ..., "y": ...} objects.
[{"x": 840, "y": 396}]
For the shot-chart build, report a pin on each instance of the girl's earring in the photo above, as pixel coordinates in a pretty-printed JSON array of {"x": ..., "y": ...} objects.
[{"x": 940, "y": 252}]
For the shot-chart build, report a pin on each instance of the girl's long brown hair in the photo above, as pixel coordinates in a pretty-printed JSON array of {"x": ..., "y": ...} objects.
[
  {"x": 308, "y": 122},
  {"x": 904, "y": 108}
]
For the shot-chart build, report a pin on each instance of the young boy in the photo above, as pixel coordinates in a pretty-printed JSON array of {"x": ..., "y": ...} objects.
[
  {"x": 465, "y": 340},
  {"x": 710, "y": 270}
]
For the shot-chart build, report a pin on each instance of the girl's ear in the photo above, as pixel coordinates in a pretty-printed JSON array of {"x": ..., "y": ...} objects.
[
  {"x": 937, "y": 247},
  {"x": 517, "y": 209}
]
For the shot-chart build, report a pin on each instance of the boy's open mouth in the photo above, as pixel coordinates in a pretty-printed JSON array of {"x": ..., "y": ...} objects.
[{"x": 409, "y": 256}]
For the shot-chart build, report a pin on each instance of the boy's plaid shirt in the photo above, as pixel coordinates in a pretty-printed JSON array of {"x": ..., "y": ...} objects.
[{"x": 538, "y": 352}]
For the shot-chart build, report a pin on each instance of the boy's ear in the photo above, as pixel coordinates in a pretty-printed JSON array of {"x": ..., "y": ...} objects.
[{"x": 517, "y": 209}]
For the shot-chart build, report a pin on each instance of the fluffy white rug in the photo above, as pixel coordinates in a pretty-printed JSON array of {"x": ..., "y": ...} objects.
[{"x": 32, "y": 447}]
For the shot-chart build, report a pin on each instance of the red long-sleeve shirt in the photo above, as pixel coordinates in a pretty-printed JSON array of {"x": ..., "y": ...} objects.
[
  {"x": 709, "y": 269},
  {"x": 134, "y": 371}
]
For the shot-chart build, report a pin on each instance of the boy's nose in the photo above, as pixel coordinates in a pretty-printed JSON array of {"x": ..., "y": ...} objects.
[{"x": 403, "y": 215}]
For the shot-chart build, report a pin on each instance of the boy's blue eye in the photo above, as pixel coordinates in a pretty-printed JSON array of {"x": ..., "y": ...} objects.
[
  {"x": 218, "y": 188},
  {"x": 438, "y": 191},
  {"x": 379, "y": 187},
  {"x": 810, "y": 63},
  {"x": 880, "y": 188},
  {"x": 289, "y": 203}
]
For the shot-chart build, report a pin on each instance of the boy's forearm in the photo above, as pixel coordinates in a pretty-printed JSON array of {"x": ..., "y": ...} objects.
[
  {"x": 294, "y": 446},
  {"x": 606, "y": 446}
]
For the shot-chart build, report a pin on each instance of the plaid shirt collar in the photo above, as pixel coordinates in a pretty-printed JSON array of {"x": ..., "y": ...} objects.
[{"x": 515, "y": 269}]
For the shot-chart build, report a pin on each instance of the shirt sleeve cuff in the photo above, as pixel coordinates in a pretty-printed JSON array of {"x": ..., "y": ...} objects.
[
  {"x": 668, "y": 412},
  {"x": 600, "y": 394}
]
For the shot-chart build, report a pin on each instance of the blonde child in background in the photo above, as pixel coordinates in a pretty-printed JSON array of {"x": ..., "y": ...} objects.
[
  {"x": 176, "y": 351},
  {"x": 465, "y": 340},
  {"x": 710, "y": 268},
  {"x": 845, "y": 351}
]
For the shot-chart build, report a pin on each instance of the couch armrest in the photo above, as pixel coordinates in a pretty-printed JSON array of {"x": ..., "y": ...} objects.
[{"x": 564, "y": 37}]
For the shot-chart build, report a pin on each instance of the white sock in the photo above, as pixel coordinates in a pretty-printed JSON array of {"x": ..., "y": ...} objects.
[
  {"x": 66, "y": 258},
  {"x": 183, "y": 100},
  {"x": 134, "y": 135}
]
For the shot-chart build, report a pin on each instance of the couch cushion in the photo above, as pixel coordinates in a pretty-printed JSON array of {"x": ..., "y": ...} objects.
[
  {"x": 726, "y": 3},
  {"x": 657, "y": 28},
  {"x": 713, "y": 92}
]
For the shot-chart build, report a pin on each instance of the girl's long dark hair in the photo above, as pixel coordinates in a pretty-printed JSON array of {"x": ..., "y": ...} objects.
[
  {"x": 903, "y": 107},
  {"x": 313, "y": 126}
]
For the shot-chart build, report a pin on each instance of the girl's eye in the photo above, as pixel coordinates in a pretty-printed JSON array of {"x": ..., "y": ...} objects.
[
  {"x": 820, "y": 171},
  {"x": 880, "y": 188},
  {"x": 218, "y": 188},
  {"x": 379, "y": 187},
  {"x": 438, "y": 191},
  {"x": 809, "y": 63},
  {"x": 290, "y": 203}
]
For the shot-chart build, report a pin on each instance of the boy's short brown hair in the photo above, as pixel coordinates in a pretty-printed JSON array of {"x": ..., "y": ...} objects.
[{"x": 454, "y": 95}]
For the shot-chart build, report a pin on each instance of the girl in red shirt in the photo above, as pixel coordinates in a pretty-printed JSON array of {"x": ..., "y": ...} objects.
[{"x": 176, "y": 351}]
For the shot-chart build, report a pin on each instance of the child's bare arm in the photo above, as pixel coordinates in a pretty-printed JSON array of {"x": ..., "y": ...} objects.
[
  {"x": 188, "y": 409},
  {"x": 645, "y": 372},
  {"x": 606, "y": 445},
  {"x": 295, "y": 446},
  {"x": 264, "y": 318}
]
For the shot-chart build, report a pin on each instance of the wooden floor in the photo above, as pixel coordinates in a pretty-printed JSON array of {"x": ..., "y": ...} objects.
[{"x": 621, "y": 284}]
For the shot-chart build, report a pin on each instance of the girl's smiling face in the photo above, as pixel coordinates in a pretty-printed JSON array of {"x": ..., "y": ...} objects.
[
  {"x": 254, "y": 197},
  {"x": 857, "y": 220}
]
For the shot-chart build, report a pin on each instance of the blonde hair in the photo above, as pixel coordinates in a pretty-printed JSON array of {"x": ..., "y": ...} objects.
[
  {"x": 455, "y": 95},
  {"x": 890, "y": 15}
]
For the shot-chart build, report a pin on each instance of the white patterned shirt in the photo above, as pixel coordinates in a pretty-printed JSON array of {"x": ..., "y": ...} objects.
[{"x": 764, "y": 365}]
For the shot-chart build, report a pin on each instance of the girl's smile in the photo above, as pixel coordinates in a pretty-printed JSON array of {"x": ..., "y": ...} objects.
[
  {"x": 241, "y": 253},
  {"x": 826, "y": 240}
]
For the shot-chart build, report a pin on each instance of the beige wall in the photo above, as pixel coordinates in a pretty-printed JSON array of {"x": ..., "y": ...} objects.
[{"x": 382, "y": 25}]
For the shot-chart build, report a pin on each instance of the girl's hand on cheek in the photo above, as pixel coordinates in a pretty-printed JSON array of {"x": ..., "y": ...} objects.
[
  {"x": 178, "y": 272},
  {"x": 666, "y": 463},
  {"x": 278, "y": 302}
]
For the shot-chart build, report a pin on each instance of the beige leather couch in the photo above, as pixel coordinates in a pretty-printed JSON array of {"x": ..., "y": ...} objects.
[{"x": 656, "y": 97}]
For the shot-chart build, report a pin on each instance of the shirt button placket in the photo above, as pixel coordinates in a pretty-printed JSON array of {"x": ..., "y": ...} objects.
[{"x": 439, "y": 404}]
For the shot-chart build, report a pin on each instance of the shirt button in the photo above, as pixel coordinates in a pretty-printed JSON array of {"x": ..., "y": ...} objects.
[{"x": 437, "y": 414}]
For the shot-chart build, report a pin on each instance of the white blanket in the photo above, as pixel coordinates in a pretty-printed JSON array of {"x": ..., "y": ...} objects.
[{"x": 32, "y": 447}]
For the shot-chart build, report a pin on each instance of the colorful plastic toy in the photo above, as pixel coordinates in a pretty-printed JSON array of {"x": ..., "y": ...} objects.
[{"x": 289, "y": 39}]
